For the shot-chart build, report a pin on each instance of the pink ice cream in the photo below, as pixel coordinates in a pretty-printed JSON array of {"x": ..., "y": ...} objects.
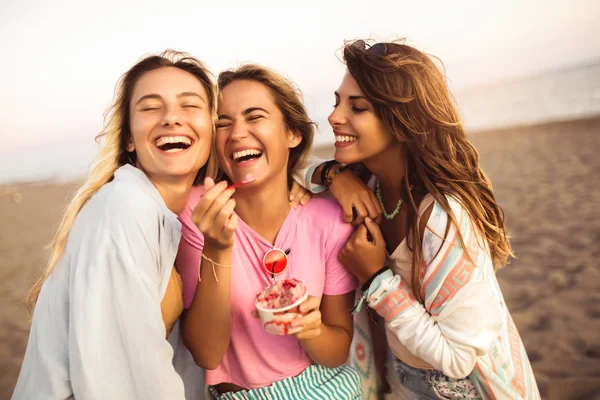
[{"x": 280, "y": 295}]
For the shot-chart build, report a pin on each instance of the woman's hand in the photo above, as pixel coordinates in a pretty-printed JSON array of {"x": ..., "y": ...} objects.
[
  {"x": 214, "y": 215},
  {"x": 299, "y": 195},
  {"x": 362, "y": 257},
  {"x": 309, "y": 325},
  {"x": 357, "y": 200}
]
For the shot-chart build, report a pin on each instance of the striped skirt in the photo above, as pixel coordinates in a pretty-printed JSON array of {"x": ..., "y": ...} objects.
[{"x": 314, "y": 383}]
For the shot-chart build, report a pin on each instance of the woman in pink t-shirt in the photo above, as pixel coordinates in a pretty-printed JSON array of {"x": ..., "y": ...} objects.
[{"x": 264, "y": 131}]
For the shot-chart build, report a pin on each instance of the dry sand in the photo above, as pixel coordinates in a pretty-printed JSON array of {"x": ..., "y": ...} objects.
[{"x": 546, "y": 179}]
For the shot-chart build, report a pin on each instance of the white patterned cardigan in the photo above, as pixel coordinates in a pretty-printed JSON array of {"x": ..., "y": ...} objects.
[{"x": 464, "y": 327}]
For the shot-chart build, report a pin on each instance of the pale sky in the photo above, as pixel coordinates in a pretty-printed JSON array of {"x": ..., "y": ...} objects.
[{"x": 62, "y": 59}]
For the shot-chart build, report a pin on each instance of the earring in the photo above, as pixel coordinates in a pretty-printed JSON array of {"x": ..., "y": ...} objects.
[{"x": 130, "y": 157}]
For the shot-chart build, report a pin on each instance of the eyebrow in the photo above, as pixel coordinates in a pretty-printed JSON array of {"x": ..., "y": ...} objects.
[
  {"x": 159, "y": 97},
  {"x": 245, "y": 112},
  {"x": 188, "y": 94},
  {"x": 252, "y": 109},
  {"x": 353, "y": 97}
]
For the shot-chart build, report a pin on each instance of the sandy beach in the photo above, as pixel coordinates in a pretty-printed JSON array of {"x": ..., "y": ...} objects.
[{"x": 546, "y": 179}]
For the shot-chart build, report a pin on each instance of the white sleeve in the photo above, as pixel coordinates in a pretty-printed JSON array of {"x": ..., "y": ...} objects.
[
  {"x": 117, "y": 344},
  {"x": 303, "y": 175},
  {"x": 454, "y": 340},
  {"x": 462, "y": 317}
]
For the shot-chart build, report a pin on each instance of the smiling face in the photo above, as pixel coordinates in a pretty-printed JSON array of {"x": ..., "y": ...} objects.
[
  {"x": 359, "y": 134},
  {"x": 252, "y": 136},
  {"x": 171, "y": 124}
]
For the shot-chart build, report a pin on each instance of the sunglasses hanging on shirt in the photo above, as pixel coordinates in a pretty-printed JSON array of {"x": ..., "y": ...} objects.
[{"x": 275, "y": 261}]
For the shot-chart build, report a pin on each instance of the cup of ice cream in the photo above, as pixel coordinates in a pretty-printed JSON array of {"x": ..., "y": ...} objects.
[{"x": 277, "y": 306}]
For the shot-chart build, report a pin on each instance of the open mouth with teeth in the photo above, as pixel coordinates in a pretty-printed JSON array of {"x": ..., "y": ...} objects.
[
  {"x": 246, "y": 155},
  {"x": 344, "y": 138},
  {"x": 173, "y": 144}
]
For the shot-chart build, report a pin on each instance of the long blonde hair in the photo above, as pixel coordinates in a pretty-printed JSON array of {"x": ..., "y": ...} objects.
[
  {"x": 410, "y": 95},
  {"x": 113, "y": 143}
]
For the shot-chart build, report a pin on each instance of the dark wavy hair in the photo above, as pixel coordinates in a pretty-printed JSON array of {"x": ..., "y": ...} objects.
[{"x": 411, "y": 97}]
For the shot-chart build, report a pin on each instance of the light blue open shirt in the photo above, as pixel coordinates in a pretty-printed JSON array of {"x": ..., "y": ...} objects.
[{"x": 97, "y": 330}]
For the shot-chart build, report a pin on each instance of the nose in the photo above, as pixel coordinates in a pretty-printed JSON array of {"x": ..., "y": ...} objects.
[
  {"x": 171, "y": 117},
  {"x": 337, "y": 117},
  {"x": 239, "y": 131}
]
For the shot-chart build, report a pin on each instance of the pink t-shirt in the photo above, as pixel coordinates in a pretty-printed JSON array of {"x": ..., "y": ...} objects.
[{"x": 315, "y": 234}]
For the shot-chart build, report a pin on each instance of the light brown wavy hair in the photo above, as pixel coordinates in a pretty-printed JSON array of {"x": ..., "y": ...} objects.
[
  {"x": 288, "y": 99},
  {"x": 411, "y": 97},
  {"x": 113, "y": 142}
]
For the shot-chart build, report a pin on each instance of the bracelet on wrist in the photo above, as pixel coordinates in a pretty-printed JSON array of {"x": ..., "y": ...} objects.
[
  {"x": 366, "y": 285},
  {"x": 366, "y": 289},
  {"x": 325, "y": 170},
  {"x": 332, "y": 173},
  {"x": 213, "y": 267}
]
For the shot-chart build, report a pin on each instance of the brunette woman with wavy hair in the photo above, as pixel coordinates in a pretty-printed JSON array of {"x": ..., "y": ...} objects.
[{"x": 428, "y": 267}]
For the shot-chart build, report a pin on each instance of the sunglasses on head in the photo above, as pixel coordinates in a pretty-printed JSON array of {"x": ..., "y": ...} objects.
[
  {"x": 378, "y": 49},
  {"x": 275, "y": 261}
]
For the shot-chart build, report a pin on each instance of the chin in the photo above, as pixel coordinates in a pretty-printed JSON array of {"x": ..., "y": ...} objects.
[
  {"x": 340, "y": 157},
  {"x": 182, "y": 169},
  {"x": 177, "y": 174}
]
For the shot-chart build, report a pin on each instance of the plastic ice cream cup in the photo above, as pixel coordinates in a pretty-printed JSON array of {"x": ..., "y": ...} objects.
[{"x": 277, "y": 321}]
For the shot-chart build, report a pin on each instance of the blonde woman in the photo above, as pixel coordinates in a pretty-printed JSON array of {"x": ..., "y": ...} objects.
[{"x": 110, "y": 295}]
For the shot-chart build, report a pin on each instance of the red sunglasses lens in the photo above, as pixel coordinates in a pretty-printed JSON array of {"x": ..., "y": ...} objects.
[{"x": 275, "y": 261}]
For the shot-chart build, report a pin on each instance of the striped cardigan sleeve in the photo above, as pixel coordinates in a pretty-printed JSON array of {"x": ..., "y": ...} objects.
[{"x": 460, "y": 316}]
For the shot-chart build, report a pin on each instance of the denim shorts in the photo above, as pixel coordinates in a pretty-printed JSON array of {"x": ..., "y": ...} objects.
[{"x": 431, "y": 384}]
